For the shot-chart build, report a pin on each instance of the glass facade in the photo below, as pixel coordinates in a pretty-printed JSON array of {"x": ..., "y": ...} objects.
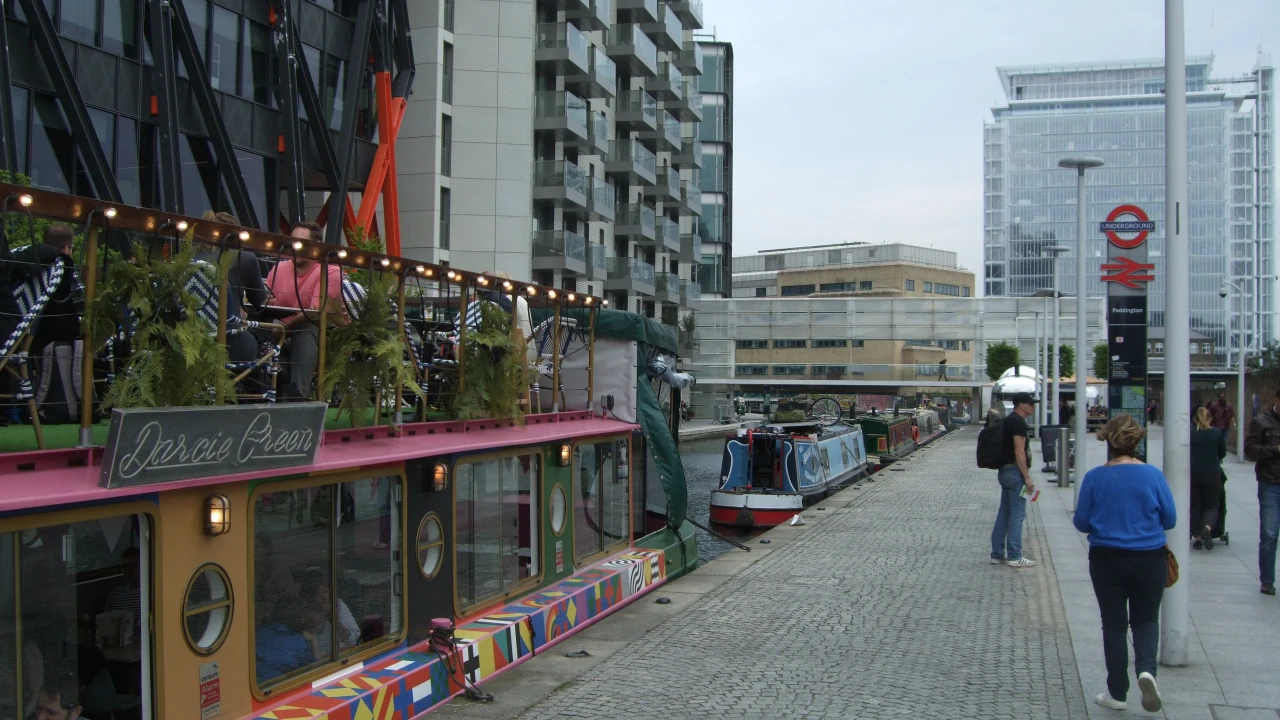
[
  {"x": 1116, "y": 112},
  {"x": 715, "y": 226}
]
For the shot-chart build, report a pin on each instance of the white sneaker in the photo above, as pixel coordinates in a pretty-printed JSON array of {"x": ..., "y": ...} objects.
[
  {"x": 1150, "y": 695},
  {"x": 1105, "y": 700},
  {"x": 999, "y": 561},
  {"x": 1022, "y": 563}
]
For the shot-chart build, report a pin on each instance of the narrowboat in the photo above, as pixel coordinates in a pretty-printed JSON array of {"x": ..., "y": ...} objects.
[
  {"x": 926, "y": 427},
  {"x": 774, "y": 471},
  {"x": 888, "y": 437},
  {"x": 266, "y": 560}
]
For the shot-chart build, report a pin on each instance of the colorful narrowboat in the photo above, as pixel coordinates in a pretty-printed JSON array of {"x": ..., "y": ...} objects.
[
  {"x": 888, "y": 437},
  {"x": 269, "y": 560},
  {"x": 926, "y": 426},
  {"x": 772, "y": 472}
]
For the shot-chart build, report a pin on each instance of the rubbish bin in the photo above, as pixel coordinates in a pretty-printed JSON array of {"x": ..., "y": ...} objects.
[{"x": 1049, "y": 443}]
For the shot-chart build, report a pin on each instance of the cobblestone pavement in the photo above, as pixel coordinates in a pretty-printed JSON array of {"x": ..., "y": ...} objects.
[{"x": 887, "y": 608}]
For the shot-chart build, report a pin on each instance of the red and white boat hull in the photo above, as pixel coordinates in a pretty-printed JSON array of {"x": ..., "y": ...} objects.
[{"x": 754, "y": 509}]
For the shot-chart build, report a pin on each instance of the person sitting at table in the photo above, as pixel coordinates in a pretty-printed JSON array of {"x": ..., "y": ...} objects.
[
  {"x": 59, "y": 697},
  {"x": 245, "y": 286},
  {"x": 295, "y": 283},
  {"x": 319, "y": 627},
  {"x": 281, "y": 647}
]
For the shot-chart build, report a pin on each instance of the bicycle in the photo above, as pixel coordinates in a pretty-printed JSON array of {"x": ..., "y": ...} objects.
[{"x": 824, "y": 411}]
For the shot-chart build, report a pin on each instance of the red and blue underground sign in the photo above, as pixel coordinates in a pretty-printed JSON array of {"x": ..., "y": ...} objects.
[{"x": 1139, "y": 224}]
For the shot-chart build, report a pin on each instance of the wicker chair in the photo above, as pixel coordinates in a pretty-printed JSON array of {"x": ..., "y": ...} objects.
[
  {"x": 31, "y": 296},
  {"x": 204, "y": 286}
]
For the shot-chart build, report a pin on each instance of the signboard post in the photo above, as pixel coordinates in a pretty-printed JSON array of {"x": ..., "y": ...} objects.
[{"x": 1126, "y": 228}]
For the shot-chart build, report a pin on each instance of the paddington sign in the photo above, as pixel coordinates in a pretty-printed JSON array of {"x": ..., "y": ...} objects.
[{"x": 154, "y": 445}]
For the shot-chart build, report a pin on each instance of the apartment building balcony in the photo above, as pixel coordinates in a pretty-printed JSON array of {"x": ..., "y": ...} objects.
[
  {"x": 689, "y": 12},
  {"x": 690, "y": 58},
  {"x": 569, "y": 5},
  {"x": 602, "y": 198},
  {"x": 561, "y": 115},
  {"x": 563, "y": 250},
  {"x": 596, "y": 139},
  {"x": 630, "y": 275},
  {"x": 689, "y": 155},
  {"x": 666, "y": 30},
  {"x": 633, "y": 162},
  {"x": 690, "y": 293},
  {"x": 687, "y": 107},
  {"x": 690, "y": 248},
  {"x": 637, "y": 112},
  {"x": 668, "y": 234},
  {"x": 690, "y": 199},
  {"x": 667, "y": 187},
  {"x": 667, "y": 84},
  {"x": 597, "y": 262},
  {"x": 632, "y": 49},
  {"x": 667, "y": 288},
  {"x": 637, "y": 222},
  {"x": 561, "y": 182},
  {"x": 590, "y": 15},
  {"x": 637, "y": 11},
  {"x": 562, "y": 49},
  {"x": 665, "y": 138},
  {"x": 600, "y": 80}
]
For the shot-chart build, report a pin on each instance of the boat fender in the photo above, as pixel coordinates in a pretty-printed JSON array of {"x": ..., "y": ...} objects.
[
  {"x": 915, "y": 433},
  {"x": 743, "y": 518}
]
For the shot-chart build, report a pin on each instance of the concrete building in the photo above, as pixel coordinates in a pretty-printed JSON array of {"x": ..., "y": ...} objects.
[
  {"x": 1114, "y": 110},
  {"x": 554, "y": 139},
  {"x": 891, "y": 270},
  {"x": 714, "y": 228}
]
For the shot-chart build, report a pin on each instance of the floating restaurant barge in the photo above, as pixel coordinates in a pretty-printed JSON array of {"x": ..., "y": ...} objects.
[{"x": 369, "y": 554}]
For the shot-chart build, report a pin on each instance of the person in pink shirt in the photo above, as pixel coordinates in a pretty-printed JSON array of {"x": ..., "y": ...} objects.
[{"x": 296, "y": 283}]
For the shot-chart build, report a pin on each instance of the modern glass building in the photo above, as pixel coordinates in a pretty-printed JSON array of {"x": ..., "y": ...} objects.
[
  {"x": 1115, "y": 111},
  {"x": 237, "y": 105},
  {"x": 715, "y": 225}
]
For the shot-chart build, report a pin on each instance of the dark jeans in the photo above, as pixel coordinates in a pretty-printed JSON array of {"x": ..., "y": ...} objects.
[
  {"x": 1129, "y": 585},
  {"x": 1206, "y": 496}
]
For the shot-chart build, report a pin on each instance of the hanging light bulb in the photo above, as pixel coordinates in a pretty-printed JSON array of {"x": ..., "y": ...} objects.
[
  {"x": 551, "y": 294},
  {"x": 25, "y": 200},
  {"x": 297, "y": 244},
  {"x": 244, "y": 235},
  {"x": 182, "y": 226},
  {"x": 110, "y": 213},
  {"x": 342, "y": 253},
  {"x": 572, "y": 297},
  {"x": 386, "y": 262}
]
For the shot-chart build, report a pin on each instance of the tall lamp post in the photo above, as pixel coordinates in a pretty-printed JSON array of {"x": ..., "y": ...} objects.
[
  {"x": 1082, "y": 395},
  {"x": 1055, "y": 373},
  {"x": 1243, "y": 354}
]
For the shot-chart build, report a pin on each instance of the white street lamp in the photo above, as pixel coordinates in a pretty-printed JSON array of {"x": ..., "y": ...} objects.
[
  {"x": 1243, "y": 354},
  {"x": 1056, "y": 372}
]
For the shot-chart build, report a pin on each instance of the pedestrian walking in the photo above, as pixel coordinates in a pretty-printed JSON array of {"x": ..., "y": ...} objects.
[
  {"x": 1222, "y": 414},
  {"x": 942, "y": 370},
  {"x": 1262, "y": 445},
  {"x": 1208, "y": 447},
  {"x": 1006, "y": 536},
  {"x": 1125, "y": 506}
]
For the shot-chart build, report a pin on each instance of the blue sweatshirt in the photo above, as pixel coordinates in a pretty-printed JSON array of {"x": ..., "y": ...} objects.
[{"x": 1125, "y": 506}]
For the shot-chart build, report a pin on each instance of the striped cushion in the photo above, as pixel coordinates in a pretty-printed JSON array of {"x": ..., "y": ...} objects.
[{"x": 31, "y": 297}]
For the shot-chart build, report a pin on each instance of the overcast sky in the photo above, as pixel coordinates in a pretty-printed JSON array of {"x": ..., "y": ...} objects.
[{"x": 862, "y": 121}]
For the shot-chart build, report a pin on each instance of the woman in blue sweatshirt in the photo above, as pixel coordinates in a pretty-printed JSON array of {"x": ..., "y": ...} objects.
[{"x": 1125, "y": 506}]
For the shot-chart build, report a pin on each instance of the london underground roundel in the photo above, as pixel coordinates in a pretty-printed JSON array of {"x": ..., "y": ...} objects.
[{"x": 1135, "y": 221}]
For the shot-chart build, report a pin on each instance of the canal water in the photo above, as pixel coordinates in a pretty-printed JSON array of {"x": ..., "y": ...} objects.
[{"x": 702, "y": 474}]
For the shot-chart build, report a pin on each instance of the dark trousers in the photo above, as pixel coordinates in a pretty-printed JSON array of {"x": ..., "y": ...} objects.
[
  {"x": 1206, "y": 496},
  {"x": 1129, "y": 585}
]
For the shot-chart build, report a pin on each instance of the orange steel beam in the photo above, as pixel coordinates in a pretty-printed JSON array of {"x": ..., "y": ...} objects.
[{"x": 382, "y": 179}]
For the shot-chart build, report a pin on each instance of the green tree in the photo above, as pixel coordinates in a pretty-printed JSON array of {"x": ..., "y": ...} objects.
[
  {"x": 1266, "y": 365},
  {"x": 1066, "y": 360},
  {"x": 1101, "y": 361},
  {"x": 1000, "y": 357}
]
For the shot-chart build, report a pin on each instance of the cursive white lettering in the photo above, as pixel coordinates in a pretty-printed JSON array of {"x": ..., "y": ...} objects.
[{"x": 151, "y": 450}]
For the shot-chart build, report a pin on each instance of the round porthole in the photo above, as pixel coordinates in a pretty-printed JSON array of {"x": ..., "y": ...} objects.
[
  {"x": 207, "y": 609},
  {"x": 559, "y": 506},
  {"x": 430, "y": 545}
]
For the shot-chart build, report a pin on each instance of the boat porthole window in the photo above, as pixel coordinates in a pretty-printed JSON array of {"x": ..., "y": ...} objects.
[
  {"x": 430, "y": 545},
  {"x": 559, "y": 507},
  {"x": 207, "y": 609}
]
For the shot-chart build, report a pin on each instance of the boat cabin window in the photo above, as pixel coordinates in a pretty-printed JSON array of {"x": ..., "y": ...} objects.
[
  {"x": 326, "y": 576},
  {"x": 601, "y": 492},
  {"x": 73, "y": 599},
  {"x": 497, "y": 526}
]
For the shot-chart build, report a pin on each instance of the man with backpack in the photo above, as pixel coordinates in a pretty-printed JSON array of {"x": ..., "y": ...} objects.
[{"x": 1012, "y": 455}]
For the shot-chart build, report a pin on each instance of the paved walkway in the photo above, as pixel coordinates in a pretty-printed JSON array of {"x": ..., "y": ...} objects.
[{"x": 883, "y": 605}]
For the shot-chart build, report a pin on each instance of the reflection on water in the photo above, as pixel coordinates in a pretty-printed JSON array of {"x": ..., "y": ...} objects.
[{"x": 702, "y": 473}]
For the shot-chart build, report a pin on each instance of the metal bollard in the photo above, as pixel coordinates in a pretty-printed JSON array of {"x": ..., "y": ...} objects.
[{"x": 1064, "y": 456}]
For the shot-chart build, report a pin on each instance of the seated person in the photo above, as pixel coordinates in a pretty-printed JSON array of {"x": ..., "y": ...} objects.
[
  {"x": 296, "y": 284},
  {"x": 61, "y": 319},
  {"x": 59, "y": 698},
  {"x": 281, "y": 646},
  {"x": 244, "y": 286},
  {"x": 319, "y": 631},
  {"x": 127, "y": 596}
]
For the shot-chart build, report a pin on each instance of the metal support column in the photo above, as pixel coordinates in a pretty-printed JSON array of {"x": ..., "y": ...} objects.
[
  {"x": 8, "y": 136},
  {"x": 357, "y": 62},
  {"x": 290, "y": 129}
]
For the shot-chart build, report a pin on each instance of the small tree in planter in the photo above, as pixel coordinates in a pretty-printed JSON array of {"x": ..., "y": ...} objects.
[
  {"x": 1101, "y": 361},
  {"x": 1000, "y": 357}
]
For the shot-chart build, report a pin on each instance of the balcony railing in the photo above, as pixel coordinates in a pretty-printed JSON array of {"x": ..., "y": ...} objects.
[
  {"x": 692, "y": 292},
  {"x": 670, "y": 234},
  {"x": 689, "y": 12},
  {"x": 692, "y": 198},
  {"x": 562, "y": 45},
  {"x": 565, "y": 111},
  {"x": 667, "y": 32},
  {"x": 597, "y": 261},
  {"x": 690, "y": 58},
  {"x": 635, "y": 152},
  {"x": 642, "y": 103},
  {"x": 604, "y": 70},
  {"x": 690, "y": 248},
  {"x": 596, "y": 16},
  {"x": 690, "y": 155},
  {"x": 560, "y": 243},
  {"x": 671, "y": 128},
  {"x": 638, "y": 272},
  {"x": 667, "y": 85},
  {"x": 604, "y": 196},
  {"x": 638, "y": 216},
  {"x": 564, "y": 180},
  {"x": 667, "y": 287},
  {"x": 628, "y": 43}
]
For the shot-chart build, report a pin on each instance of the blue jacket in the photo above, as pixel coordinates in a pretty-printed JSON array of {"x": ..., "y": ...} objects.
[{"x": 1125, "y": 506}]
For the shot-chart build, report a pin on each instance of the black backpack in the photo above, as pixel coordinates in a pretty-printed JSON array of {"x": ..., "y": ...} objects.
[{"x": 991, "y": 446}]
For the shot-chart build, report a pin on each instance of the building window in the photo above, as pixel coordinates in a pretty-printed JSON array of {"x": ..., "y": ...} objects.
[
  {"x": 751, "y": 344},
  {"x": 496, "y": 526},
  {"x": 1206, "y": 348},
  {"x": 928, "y": 287},
  {"x": 836, "y": 287},
  {"x": 830, "y": 343},
  {"x": 79, "y": 20},
  {"x": 444, "y": 218},
  {"x": 430, "y": 545},
  {"x": 910, "y": 285},
  {"x": 446, "y": 145},
  {"x": 446, "y": 80},
  {"x": 198, "y": 16},
  {"x": 964, "y": 344},
  {"x": 224, "y": 51},
  {"x": 788, "y": 369},
  {"x": 255, "y": 66},
  {"x": 760, "y": 292},
  {"x": 1194, "y": 348},
  {"x": 793, "y": 290},
  {"x": 789, "y": 344},
  {"x": 943, "y": 289},
  {"x": 448, "y": 14},
  {"x": 601, "y": 515},
  {"x": 207, "y": 609},
  {"x": 828, "y": 371},
  {"x": 747, "y": 370},
  {"x": 964, "y": 292},
  {"x": 315, "y": 572},
  {"x": 857, "y": 343},
  {"x": 864, "y": 285},
  {"x": 1159, "y": 348},
  {"x": 119, "y": 28}
]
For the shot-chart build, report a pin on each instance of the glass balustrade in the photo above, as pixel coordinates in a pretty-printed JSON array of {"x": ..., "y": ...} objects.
[
  {"x": 560, "y": 174},
  {"x": 603, "y": 193},
  {"x": 633, "y": 35},
  {"x": 638, "y": 271},
  {"x": 633, "y": 151},
  {"x": 671, "y": 128},
  {"x": 560, "y": 243},
  {"x": 564, "y": 36},
  {"x": 603, "y": 68},
  {"x": 555, "y": 104}
]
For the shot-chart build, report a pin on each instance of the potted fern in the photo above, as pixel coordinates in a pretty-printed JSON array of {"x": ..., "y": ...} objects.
[{"x": 495, "y": 373}]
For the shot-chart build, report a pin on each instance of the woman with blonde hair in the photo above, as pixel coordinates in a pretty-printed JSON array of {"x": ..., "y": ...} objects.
[
  {"x": 1125, "y": 506},
  {"x": 1208, "y": 447}
]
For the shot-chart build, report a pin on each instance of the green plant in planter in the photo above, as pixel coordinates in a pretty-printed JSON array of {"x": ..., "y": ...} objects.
[
  {"x": 365, "y": 354},
  {"x": 176, "y": 358},
  {"x": 788, "y": 416},
  {"x": 495, "y": 372}
]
